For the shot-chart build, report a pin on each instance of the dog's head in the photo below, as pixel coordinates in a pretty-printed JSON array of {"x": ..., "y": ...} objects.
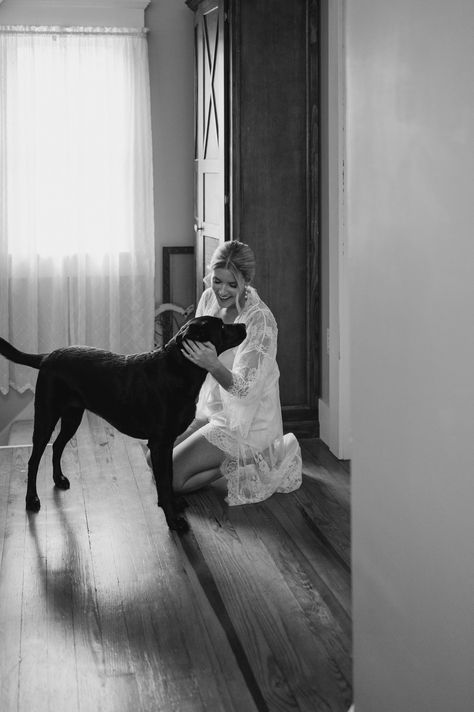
[{"x": 213, "y": 329}]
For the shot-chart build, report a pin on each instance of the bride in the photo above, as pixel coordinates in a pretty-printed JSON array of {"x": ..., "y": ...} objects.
[{"x": 237, "y": 432}]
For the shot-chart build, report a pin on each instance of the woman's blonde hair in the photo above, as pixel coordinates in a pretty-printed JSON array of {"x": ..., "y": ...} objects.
[{"x": 238, "y": 258}]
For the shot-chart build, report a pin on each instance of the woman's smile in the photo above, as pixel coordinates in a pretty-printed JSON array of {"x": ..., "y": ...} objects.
[{"x": 225, "y": 287}]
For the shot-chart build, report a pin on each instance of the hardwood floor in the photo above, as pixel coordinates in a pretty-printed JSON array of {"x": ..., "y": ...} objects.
[{"x": 102, "y": 608}]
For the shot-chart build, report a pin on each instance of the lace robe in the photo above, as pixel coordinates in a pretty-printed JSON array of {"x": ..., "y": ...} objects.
[{"x": 245, "y": 421}]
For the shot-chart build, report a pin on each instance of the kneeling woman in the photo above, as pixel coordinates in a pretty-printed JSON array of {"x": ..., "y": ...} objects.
[{"x": 238, "y": 430}]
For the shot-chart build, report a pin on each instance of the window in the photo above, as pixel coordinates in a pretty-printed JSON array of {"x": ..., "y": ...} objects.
[{"x": 70, "y": 123}]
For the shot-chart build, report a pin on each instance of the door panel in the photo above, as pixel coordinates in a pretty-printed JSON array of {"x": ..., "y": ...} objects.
[{"x": 209, "y": 159}]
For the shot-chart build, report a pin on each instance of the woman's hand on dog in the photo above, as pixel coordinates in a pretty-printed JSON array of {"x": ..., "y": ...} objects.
[{"x": 201, "y": 354}]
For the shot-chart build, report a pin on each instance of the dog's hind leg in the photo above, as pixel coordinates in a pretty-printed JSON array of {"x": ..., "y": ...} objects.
[
  {"x": 45, "y": 421},
  {"x": 70, "y": 421}
]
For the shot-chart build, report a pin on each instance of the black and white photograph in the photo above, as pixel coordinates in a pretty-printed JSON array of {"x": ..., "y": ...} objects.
[{"x": 236, "y": 356}]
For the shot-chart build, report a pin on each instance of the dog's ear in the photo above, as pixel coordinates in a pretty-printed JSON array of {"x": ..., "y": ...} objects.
[
  {"x": 190, "y": 330},
  {"x": 197, "y": 329},
  {"x": 179, "y": 337}
]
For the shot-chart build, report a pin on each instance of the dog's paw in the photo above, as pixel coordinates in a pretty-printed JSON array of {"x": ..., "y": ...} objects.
[
  {"x": 33, "y": 503},
  {"x": 178, "y": 524},
  {"x": 180, "y": 504},
  {"x": 62, "y": 482}
]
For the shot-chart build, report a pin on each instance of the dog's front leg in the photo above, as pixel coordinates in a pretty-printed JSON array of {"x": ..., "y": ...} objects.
[{"x": 161, "y": 452}]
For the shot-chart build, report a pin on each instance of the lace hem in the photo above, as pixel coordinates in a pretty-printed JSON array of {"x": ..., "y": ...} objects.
[
  {"x": 253, "y": 476},
  {"x": 253, "y": 491},
  {"x": 222, "y": 440}
]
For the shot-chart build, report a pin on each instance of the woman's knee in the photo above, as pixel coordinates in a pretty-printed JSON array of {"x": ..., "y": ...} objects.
[
  {"x": 193, "y": 456},
  {"x": 190, "y": 430}
]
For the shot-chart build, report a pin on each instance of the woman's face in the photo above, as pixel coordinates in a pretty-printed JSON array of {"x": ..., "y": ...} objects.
[{"x": 225, "y": 287}]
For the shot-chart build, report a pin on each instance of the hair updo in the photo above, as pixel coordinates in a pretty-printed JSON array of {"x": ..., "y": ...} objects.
[{"x": 238, "y": 258}]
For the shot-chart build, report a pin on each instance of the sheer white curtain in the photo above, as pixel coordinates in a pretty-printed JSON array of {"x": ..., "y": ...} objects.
[{"x": 76, "y": 194}]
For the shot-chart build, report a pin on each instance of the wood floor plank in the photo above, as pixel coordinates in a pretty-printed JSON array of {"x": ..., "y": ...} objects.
[
  {"x": 11, "y": 578},
  {"x": 275, "y": 617},
  {"x": 74, "y": 645},
  {"x": 105, "y": 531},
  {"x": 195, "y": 634},
  {"x": 248, "y": 619},
  {"x": 328, "y": 519},
  {"x": 6, "y": 467},
  {"x": 37, "y": 656},
  {"x": 73, "y": 539},
  {"x": 72, "y": 595},
  {"x": 333, "y": 487},
  {"x": 319, "y": 557},
  {"x": 328, "y": 625},
  {"x": 318, "y": 632},
  {"x": 322, "y": 464},
  {"x": 123, "y": 497},
  {"x": 219, "y": 678}
]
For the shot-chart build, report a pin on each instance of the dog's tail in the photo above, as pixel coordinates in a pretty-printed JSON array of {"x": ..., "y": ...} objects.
[{"x": 12, "y": 354}]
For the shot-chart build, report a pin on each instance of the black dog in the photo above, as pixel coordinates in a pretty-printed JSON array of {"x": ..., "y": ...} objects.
[{"x": 149, "y": 395}]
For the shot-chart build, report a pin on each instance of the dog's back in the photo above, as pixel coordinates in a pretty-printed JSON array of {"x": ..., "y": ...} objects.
[{"x": 137, "y": 393}]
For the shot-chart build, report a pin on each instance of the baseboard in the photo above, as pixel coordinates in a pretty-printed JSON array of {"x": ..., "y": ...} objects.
[
  {"x": 303, "y": 422},
  {"x": 27, "y": 413},
  {"x": 324, "y": 424},
  {"x": 332, "y": 434}
]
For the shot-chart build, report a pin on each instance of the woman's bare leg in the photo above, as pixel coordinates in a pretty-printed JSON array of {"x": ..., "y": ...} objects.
[{"x": 196, "y": 463}]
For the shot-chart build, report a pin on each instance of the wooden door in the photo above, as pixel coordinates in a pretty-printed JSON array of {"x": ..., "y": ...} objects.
[
  {"x": 256, "y": 163},
  {"x": 210, "y": 144},
  {"x": 275, "y": 184}
]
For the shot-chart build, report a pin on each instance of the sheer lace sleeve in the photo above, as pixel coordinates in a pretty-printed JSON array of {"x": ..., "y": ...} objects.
[
  {"x": 254, "y": 371},
  {"x": 249, "y": 369}
]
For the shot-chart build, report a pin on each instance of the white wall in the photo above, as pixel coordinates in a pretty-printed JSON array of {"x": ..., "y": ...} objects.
[
  {"x": 124, "y": 13},
  {"x": 410, "y": 120},
  {"x": 171, "y": 56}
]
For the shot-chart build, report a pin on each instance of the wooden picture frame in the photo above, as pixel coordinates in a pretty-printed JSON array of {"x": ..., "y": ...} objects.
[{"x": 178, "y": 286}]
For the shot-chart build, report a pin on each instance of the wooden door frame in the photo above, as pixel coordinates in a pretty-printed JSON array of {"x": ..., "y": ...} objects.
[{"x": 335, "y": 410}]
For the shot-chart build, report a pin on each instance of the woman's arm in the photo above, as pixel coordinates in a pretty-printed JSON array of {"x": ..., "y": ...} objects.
[
  {"x": 222, "y": 375},
  {"x": 247, "y": 368},
  {"x": 205, "y": 356}
]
